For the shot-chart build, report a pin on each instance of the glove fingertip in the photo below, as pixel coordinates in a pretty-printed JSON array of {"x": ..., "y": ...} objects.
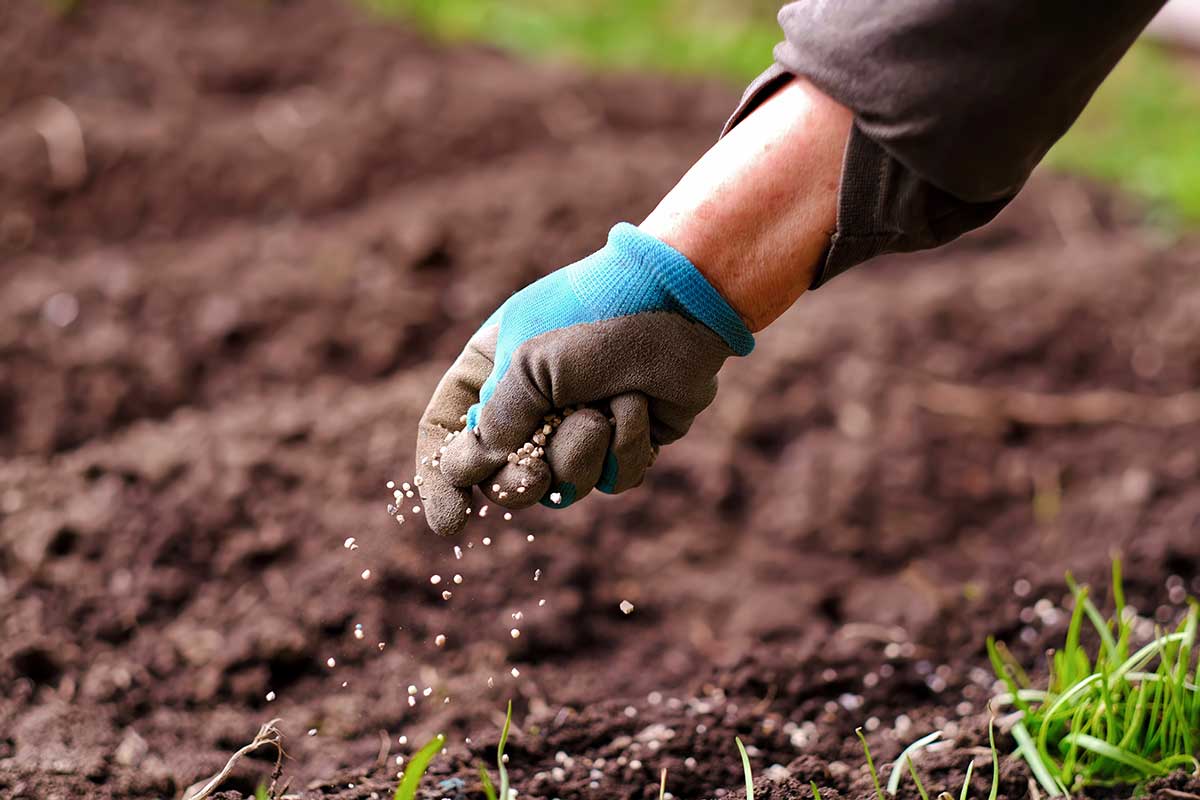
[
  {"x": 608, "y": 474},
  {"x": 566, "y": 494},
  {"x": 446, "y": 510}
]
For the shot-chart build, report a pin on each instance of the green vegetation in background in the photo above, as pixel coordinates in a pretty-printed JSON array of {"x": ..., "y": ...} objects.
[
  {"x": 708, "y": 37},
  {"x": 1140, "y": 130}
]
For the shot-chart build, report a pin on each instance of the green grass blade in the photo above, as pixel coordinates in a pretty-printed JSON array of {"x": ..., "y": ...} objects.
[
  {"x": 917, "y": 780},
  {"x": 1103, "y": 748},
  {"x": 870, "y": 763},
  {"x": 1138, "y": 660},
  {"x": 260, "y": 792},
  {"x": 489, "y": 790},
  {"x": 1028, "y": 750},
  {"x": 746, "y": 768},
  {"x": 1124, "y": 629},
  {"x": 995, "y": 762},
  {"x": 407, "y": 790},
  {"x": 906, "y": 755},
  {"x": 504, "y": 793},
  {"x": 966, "y": 787},
  {"x": 816, "y": 792},
  {"x": 1004, "y": 673}
]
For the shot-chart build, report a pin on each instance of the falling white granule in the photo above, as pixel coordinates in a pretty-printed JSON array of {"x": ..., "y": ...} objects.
[
  {"x": 457, "y": 551},
  {"x": 541, "y": 602},
  {"x": 349, "y": 543},
  {"x": 412, "y": 689},
  {"x": 358, "y": 632},
  {"x": 537, "y": 574},
  {"x": 491, "y": 682},
  {"x": 312, "y": 731},
  {"x": 626, "y": 607},
  {"x": 555, "y": 497},
  {"x": 402, "y": 740},
  {"x": 435, "y": 579},
  {"x": 412, "y": 701},
  {"x": 516, "y": 673},
  {"x": 457, "y": 579},
  {"x": 381, "y": 646},
  {"x": 446, "y": 595},
  {"x": 508, "y": 516},
  {"x": 270, "y": 697},
  {"x": 529, "y": 538},
  {"x": 416, "y": 509},
  {"x": 391, "y": 484},
  {"x": 331, "y": 662},
  {"x": 440, "y": 639},
  {"x": 515, "y": 633},
  {"x": 483, "y": 511},
  {"x": 517, "y": 615},
  {"x": 487, "y": 540},
  {"x": 366, "y": 574},
  {"x": 428, "y": 690}
]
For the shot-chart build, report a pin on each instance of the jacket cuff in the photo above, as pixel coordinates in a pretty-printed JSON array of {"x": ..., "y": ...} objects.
[{"x": 883, "y": 205}]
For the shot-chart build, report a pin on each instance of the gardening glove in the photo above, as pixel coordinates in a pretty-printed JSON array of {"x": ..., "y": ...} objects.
[{"x": 576, "y": 381}]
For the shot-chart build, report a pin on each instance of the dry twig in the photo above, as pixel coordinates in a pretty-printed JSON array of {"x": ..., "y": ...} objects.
[{"x": 268, "y": 734}]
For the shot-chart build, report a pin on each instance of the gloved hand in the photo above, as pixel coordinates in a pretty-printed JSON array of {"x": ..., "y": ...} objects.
[{"x": 576, "y": 381}]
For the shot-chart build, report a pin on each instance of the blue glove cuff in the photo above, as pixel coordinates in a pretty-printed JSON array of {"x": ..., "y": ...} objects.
[{"x": 667, "y": 272}]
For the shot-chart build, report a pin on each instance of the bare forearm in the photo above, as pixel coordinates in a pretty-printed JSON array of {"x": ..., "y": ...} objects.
[{"x": 755, "y": 213}]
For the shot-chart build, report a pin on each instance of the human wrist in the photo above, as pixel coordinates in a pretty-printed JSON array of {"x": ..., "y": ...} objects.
[{"x": 756, "y": 212}]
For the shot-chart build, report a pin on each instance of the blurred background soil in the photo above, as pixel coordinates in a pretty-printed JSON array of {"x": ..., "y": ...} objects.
[{"x": 240, "y": 241}]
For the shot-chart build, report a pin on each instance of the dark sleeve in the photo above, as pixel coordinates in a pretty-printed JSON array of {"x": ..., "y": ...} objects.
[{"x": 955, "y": 102}]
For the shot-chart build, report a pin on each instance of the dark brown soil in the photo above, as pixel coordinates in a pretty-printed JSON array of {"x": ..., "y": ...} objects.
[{"x": 215, "y": 342}]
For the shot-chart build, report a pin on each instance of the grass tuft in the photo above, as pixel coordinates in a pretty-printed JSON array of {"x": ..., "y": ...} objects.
[{"x": 1108, "y": 716}]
